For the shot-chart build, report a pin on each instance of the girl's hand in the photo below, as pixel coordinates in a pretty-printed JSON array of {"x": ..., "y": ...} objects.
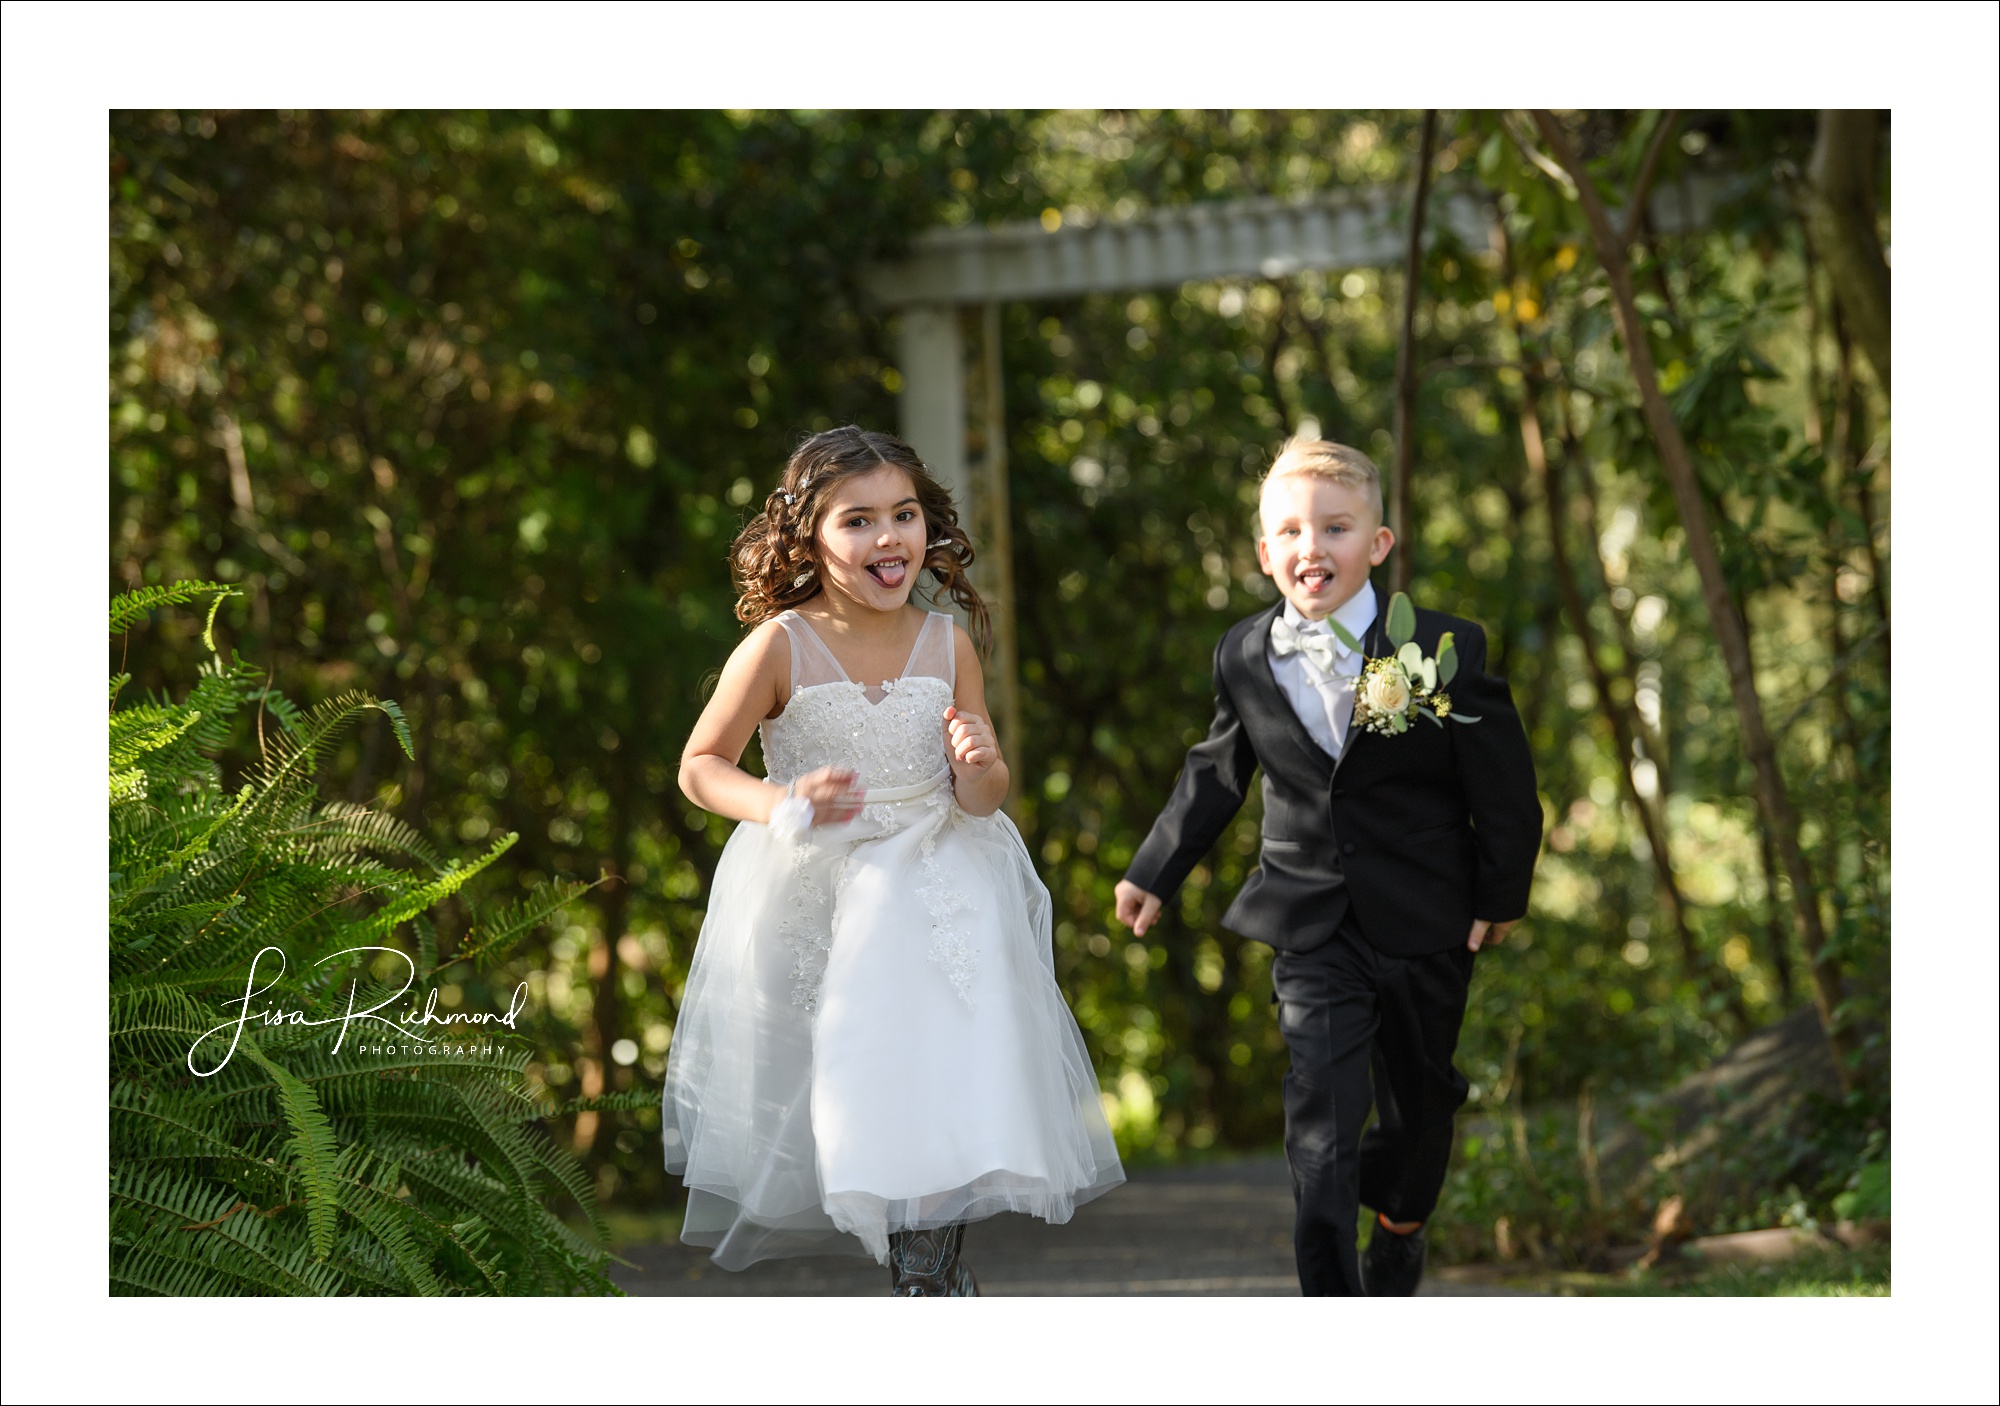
[
  {"x": 835, "y": 793},
  {"x": 974, "y": 749}
]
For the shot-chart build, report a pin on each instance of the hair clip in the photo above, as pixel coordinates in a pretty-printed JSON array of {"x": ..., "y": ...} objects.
[
  {"x": 942, "y": 542},
  {"x": 788, "y": 499}
]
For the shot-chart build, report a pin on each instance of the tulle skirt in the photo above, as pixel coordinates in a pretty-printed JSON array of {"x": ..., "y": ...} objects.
[{"x": 872, "y": 1040}]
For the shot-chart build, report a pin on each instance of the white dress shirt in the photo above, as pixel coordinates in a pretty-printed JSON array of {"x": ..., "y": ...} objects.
[{"x": 1325, "y": 703}]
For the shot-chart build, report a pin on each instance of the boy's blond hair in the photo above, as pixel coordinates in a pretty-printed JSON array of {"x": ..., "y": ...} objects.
[{"x": 1336, "y": 463}]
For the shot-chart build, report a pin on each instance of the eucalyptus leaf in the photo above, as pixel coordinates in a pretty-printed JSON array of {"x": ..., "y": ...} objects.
[
  {"x": 1344, "y": 635},
  {"x": 1402, "y": 624},
  {"x": 1429, "y": 714},
  {"x": 1411, "y": 658},
  {"x": 1447, "y": 658},
  {"x": 1465, "y": 717},
  {"x": 1430, "y": 669},
  {"x": 1401, "y": 722}
]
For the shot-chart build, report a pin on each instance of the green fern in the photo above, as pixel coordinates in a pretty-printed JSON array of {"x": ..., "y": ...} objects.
[
  {"x": 128, "y": 609},
  {"x": 292, "y": 1168}
]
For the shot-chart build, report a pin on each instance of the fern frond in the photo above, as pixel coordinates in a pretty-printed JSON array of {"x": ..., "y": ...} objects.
[
  {"x": 137, "y": 731},
  {"x": 312, "y": 1146},
  {"x": 131, "y": 607},
  {"x": 182, "y": 1238},
  {"x": 408, "y": 905},
  {"x": 341, "y": 827},
  {"x": 490, "y": 938},
  {"x": 391, "y": 1222},
  {"x": 193, "y": 848},
  {"x": 292, "y": 755},
  {"x": 293, "y": 1169},
  {"x": 630, "y": 1102}
]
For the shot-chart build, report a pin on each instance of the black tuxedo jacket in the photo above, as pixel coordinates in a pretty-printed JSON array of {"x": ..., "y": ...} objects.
[{"x": 1419, "y": 832}]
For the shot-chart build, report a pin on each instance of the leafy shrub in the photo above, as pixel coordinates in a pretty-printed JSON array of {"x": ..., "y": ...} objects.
[
  {"x": 253, "y": 1155},
  {"x": 1867, "y": 1194}
]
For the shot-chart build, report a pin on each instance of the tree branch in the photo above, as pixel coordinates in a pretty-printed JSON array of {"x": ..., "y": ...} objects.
[
  {"x": 1406, "y": 376},
  {"x": 1642, "y": 184},
  {"x": 1834, "y": 674},
  {"x": 1838, "y": 200},
  {"x": 1678, "y": 464}
]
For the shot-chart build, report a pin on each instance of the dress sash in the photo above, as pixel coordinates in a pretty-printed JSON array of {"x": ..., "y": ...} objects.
[{"x": 905, "y": 793}]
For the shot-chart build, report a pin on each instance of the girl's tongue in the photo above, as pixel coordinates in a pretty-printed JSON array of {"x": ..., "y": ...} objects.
[{"x": 889, "y": 574}]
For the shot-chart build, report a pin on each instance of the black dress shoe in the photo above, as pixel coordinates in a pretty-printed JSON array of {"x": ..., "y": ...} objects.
[{"x": 1393, "y": 1264}]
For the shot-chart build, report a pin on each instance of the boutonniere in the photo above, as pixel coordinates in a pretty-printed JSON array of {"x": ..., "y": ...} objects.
[{"x": 1405, "y": 680}]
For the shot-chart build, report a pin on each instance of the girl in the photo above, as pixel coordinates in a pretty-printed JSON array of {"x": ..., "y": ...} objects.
[{"x": 871, "y": 1050}]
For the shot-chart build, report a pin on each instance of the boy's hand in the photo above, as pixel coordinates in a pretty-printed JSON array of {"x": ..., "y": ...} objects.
[
  {"x": 1137, "y": 909},
  {"x": 835, "y": 793},
  {"x": 973, "y": 746},
  {"x": 1489, "y": 934}
]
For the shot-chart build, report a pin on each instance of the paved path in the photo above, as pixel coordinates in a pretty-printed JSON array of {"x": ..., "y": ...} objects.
[{"x": 1224, "y": 1228}]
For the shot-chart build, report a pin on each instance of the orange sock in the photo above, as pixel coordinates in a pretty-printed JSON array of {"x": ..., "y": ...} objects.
[{"x": 1398, "y": 1227}]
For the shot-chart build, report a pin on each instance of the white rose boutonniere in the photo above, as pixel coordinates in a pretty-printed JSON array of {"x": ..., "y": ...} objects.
[
  {"x": 1405, "y": 681},
  {"x": 1387, "y": 691}
]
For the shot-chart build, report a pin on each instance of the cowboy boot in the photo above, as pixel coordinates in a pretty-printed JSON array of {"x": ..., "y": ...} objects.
[{"x": 925, "y": 1264}]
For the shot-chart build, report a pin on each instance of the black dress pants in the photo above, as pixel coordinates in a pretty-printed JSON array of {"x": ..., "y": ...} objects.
[{"x": 1344, "y": 1007}]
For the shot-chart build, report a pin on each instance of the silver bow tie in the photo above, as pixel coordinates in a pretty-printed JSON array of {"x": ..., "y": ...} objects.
[{"x": 1317, "y": 644}]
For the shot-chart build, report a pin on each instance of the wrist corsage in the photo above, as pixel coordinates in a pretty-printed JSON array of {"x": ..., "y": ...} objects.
[{"x": 792, "y": 817}]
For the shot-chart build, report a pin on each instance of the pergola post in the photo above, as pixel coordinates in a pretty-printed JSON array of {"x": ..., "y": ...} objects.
[
  {"x": 934, "y": 421},
  {"x": 932, "y": 357}
]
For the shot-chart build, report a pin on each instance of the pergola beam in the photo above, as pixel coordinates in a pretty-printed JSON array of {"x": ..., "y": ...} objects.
[{"x": 1219, "y": 239}]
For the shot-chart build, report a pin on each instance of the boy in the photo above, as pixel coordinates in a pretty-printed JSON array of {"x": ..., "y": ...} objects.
[{"x": 1388, "y": 861}]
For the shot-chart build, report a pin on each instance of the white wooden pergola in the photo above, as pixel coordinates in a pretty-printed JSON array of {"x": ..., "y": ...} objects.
[{"x": 954, "y": 277}]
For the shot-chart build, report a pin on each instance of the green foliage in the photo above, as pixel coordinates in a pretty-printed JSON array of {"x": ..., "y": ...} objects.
[
  {"x": 1830, "y": 1273},
  {"x": 1401, "y": 625},
  {"x": 132, "y": 607},
  {"x": 1867, "y": 1194},
  {"x": 261, "y": 1155},
  {"x": 500, "y": 387}
]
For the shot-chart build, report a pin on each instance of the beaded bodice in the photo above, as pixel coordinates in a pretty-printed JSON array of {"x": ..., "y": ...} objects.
[{"x": 893, "y": 736}]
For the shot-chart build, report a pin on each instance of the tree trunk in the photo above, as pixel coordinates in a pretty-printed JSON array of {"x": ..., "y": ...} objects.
[
  {"x": 1618, "y": 716},
  {"x": 1838, "y": 200},
  {"x": 997, "y": 538},
  {"x": 607, "y": 1005},
  {"x": 1406, "y": 362},
  {"x": 1776, "y": 929},
  {"x": 1678, "y": 464},
  {"x": 1844, "y": 455},
  {"x": 1850, "y": 411},
  {"x": 1655, "y": 738}
]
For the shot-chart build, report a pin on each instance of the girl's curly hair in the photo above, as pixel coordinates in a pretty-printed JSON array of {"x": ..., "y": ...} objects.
[{"x": 775, "y": 561}]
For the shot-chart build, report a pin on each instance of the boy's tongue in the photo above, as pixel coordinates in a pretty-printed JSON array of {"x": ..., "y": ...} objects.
[
  {"x": 889, "y": 574},
  {"x": 1316, "y": 579}
]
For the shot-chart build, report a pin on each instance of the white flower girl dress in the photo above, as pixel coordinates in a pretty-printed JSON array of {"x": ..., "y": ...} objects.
[{"x": 871, "y": 1038}]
